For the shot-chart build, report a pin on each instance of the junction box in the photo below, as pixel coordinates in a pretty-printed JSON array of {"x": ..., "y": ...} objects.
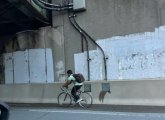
[{"x": 79, "y": 5}]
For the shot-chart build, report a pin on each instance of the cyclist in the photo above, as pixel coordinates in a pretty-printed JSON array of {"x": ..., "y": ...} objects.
[{"x": 76, "y": 87}]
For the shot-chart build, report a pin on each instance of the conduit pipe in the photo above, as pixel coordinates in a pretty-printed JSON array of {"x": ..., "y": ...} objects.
[
  {"x": 87, "y": 47},
  {"x": 44, "y": 5},
  {"x": 49, "y": 6},
  {"x": 86, "y": 34},
  {"x": 55, "y": 5}
]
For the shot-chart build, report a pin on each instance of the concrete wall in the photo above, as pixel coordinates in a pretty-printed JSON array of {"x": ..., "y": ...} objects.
[
  {"x": 110, "y": 18},
  {"x": 102, "y": 19},
  {"x": 146, "y": 92},
  {"x": 120, "y": 18},
  {"x": 134, "y": 56}
]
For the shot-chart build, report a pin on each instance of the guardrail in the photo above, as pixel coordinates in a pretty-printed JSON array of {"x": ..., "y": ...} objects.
[{"x": 123, "y": 92}]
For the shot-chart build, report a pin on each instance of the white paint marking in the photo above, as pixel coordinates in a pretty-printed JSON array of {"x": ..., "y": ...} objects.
[{"x": 100, "y": 113}]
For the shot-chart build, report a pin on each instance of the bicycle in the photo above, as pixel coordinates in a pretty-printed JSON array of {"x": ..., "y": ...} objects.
[{"x": 65, "y": 98}]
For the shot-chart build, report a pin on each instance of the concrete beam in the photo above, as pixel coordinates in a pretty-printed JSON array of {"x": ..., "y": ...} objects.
[{"x": 29, "y": 10}]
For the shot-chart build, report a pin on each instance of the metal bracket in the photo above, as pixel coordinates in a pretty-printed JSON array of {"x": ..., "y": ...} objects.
[
  {"x": 106, "y": 87},
  {"x": 87, "y": 87}
]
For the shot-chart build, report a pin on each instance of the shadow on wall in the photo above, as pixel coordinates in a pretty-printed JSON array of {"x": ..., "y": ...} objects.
[
  {"x": 102, "y": 95},
  {"x": 4, "y": 113}
]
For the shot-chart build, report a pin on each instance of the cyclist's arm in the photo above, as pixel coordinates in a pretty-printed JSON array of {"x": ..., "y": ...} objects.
[{"x": 67, "y": 83}]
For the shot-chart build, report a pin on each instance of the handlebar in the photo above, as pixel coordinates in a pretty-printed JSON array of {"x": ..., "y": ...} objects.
[{"x": 62, "y": 88}]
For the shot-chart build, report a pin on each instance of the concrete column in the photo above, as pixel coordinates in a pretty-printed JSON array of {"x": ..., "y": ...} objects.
[{"x": 57, "y": 36}]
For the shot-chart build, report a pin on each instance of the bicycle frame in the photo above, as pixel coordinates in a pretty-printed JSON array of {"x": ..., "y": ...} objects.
[
  {"x": 68, "y": 91},
  {"x": 65, "y": 98}
]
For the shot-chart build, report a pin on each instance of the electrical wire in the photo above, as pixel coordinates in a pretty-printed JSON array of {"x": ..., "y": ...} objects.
[
  {"x": 54, "y": 5},
  {"x": 86, "y": 41},
  {"x": 46, "y": 3},
  {"x": 86, "y": 34},
  {"x": 49, "y": 6},
  {"x": 69, "y": 6}
]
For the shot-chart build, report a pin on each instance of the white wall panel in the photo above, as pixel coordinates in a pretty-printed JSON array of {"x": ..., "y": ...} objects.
[
  {"x": 96, "y": 65},
  {"x": 81, "y": 67},
  {"x": 8, "y": 68},
  {"x": 21, "y": 72},
  {"x": 49, "y": 64},
  {"x": 37, "y": 65},
  {"x": 30, "y": 66}
]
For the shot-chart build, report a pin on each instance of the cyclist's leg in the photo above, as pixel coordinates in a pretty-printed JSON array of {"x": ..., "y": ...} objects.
[
  {"x": 74, "y": 91},
  {"x": 86, "y": 101}
]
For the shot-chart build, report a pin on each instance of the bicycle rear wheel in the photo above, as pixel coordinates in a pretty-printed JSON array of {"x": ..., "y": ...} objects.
[
  {"x": 64, "y": 99},
  {"x": 86, "y": 101}
]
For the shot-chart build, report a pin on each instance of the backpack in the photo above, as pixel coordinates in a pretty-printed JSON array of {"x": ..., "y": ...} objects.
[{"x": 79, "y": 77}]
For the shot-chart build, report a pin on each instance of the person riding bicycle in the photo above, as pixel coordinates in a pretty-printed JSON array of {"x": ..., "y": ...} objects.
[{"x": 71, "y": 79}]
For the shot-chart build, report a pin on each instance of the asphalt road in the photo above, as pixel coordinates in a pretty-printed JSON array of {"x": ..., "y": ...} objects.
[{"x": 57, "y": 113}]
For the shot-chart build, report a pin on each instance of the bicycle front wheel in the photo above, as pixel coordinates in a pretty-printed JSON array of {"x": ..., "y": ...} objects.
[
  {"x": 86, "y": 101},
  {"x": 64, "y": 99}
]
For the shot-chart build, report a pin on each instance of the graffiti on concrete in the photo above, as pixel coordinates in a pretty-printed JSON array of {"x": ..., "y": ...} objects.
[{"x": 142, "y": 61}]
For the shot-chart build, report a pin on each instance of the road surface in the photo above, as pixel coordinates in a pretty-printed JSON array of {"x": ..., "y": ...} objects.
[{"x": 57, "y": 113}]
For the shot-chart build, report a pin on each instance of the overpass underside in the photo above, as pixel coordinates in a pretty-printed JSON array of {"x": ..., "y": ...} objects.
[{"x": 19, "y": 15}]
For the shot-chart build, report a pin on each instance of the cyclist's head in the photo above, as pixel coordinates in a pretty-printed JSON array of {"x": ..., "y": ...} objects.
[{"x": 69, "y": 72}]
